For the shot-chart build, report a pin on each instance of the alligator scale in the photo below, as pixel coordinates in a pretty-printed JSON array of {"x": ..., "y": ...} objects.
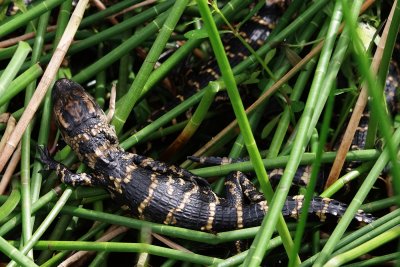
[{"x": 154, "y": 191}]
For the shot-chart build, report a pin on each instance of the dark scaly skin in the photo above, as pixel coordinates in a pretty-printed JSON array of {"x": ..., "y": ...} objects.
[{"x": 152, "y": 190}]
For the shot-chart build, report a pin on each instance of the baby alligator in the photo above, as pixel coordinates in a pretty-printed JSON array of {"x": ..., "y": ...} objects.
[{"x": 151, "y": 189}]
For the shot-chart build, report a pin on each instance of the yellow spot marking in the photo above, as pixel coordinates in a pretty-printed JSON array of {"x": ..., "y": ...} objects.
[
  {"x": 186, "y": 199},
  {"x": 322, "y": 213},
  {"x": 170, "y": 188},
  {"x": 130, "y": 168},
  {"x": 85, "y": 137},
  {"x": 232, "y": 187},
  {"x": 263, "y": 206},
  {"x": 117, "y": 184},
  {"x": 149, "y": 197},
  {"x": 239, "y": 214},
  {"x": 125, "y": 207},
  {"x": 211, "y": 216},
  {"x": 99, "y": 152},
  {"x": 145, "y": 162},
  {"x": 298, "y": 205},
  {"x": 216, "y": 198},
  {"x": 127, "y": 156}
]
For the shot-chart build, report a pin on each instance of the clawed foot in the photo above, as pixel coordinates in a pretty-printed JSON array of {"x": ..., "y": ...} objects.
[{"x": 48, "y": 162}]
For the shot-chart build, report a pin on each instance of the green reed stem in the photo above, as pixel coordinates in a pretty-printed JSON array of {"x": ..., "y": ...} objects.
[
  {"x": 345, "y": 179},
  {"x": 20, "y": 83},
  {"x": 138, "y": 224},
  {"x": 56, "y": 234},
  {"x": 166, "y": 118},
  {"x": 167, "y": 230},
  {"x": 11, "y": 202},
  {"x": 101, "y": 80},
  {"x": 27, "y": 221},
  {"x": 168, "y": 263},
  {"x": 110, "y": 10},
  {"x": 361, "y": 239},
  {"x": 380, "y": 204},
  {"x": 195, "y": 121},
  {"x": 120, "y": 28},
  {"x": 111, "y": 32},
  {"x": 389, "y": 44},
  {"x": 7, "y": 52},
  {"x": 364, "y": 248},
  {"x": 390, "y": 149},
  {"x": 36, "y": 179},
  {"x": 124, "y": 48},
  {"x": 123, "y": 110},
  {"x": 55, "y": 259},
  {"x": 29, "y": 244},
  {"x": 15, "y": 220},
  {"x": 376, "y": 261},
  {"x": 298, "y": 89},
  {"x": 313, "y": 179},
  {"x": 334, "y": 66},
  {"x": 375, "y": 90},
  {"x": 24, "y": 18},
  {"x": 254, "y": 119},
  {"x": 162, "y": 132},
  {"x": 278, "y": 37},
  {"x": 304, "y": 17},
  {"x": 239, "y": 258},
  {"x": 62, "y": 21},
  {"x": 242, "y": 119},
  {"x": 356, "y": 202},
  {"x": 125, "y": 65},
  {"x": 183, "y": 51},
  {"x": 15, "y": 254},
  {"x": 14, "y": 65},
  {"x": 127, "y": 247},
  {"x": 256, "y": 252},
  {"x": 102, "y": 256},
  {"x": 362, "y": 235}
]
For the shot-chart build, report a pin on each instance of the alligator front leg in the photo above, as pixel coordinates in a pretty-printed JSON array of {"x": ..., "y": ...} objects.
[{"x": 66, "y": 176}]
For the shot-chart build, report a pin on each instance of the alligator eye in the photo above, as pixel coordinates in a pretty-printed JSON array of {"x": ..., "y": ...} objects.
[{"x": 62, "y": 122}]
